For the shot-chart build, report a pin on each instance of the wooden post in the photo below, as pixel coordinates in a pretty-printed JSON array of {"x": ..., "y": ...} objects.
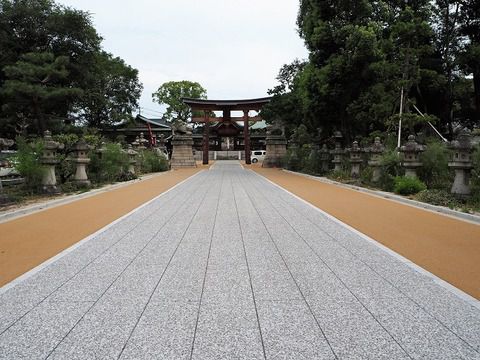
[
  {"x": 246, "y": 134},
  {"x": 206, "y": 138}
]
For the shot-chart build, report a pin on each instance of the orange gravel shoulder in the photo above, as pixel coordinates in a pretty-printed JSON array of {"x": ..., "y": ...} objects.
[
  {"x": 445, "y": 246},
  {"x": 30, "y": 240}
]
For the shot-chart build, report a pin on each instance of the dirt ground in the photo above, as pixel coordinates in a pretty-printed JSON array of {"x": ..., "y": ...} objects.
[
  {"x": 30, "y": 240},
  {"x": 447, "y": 247}
]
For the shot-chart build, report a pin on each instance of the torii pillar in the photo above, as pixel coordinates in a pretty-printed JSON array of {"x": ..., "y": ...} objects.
[
  {"x": 246, "y": 136},
  {"x": 206, "y": 138}
]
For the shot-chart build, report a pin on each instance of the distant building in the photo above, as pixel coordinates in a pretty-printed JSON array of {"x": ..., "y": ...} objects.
[{"x": 151, "y": 128}]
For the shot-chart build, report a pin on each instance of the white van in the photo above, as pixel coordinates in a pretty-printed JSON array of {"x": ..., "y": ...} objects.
[{"x": 257, "y": 155}]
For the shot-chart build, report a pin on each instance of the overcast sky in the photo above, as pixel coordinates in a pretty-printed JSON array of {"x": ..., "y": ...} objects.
[{"x": 233, "y": 48}]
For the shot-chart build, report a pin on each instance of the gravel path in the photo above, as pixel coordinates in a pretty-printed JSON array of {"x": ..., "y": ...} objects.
[{"x": 229, "y": 266}]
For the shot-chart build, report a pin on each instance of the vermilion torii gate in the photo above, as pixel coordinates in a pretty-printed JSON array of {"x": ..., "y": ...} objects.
[{"x": 226, "y": 106}]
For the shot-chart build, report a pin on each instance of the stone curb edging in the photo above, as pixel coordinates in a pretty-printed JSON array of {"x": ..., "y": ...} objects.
[
  {"x": 31, "y": 209},
  {"x": 474, "y": 219},
  {"x": 68, "y": 250},
  {"x": 446, "y": 285}
]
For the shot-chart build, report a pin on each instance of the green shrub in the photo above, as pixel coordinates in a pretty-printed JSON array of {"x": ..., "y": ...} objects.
[
  {"x": 341, "y": 175},
  {"x": 438, "y": 197},
  {"x": 407, "y": 185},
  {"x": 434, "y": 171},
  {"x": 27, "y": 162},
  {"x": 313, "y": 164},
  {"x": 151, "y": 162},
  {"x": 108, "y": 166},
  {"x": 391, "y": 168}
]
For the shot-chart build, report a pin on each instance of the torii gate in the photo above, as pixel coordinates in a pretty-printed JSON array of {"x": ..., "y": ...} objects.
[{"x": 226, "y": 106}]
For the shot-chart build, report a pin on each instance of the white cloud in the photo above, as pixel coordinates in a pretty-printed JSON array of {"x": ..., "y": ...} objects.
[{"x": 233, "y": 48}]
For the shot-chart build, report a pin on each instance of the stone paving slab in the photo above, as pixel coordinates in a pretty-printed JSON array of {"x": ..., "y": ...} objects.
[{"x": 229, "y": 266}]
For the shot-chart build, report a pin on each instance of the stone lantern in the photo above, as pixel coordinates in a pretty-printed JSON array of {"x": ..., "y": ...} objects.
[
  {"x": 355, "y": 159},
  {"x": 49, "y": 160},
  {"x": 81, "y": 161},
  {"x": 132, "y": 159},
  {"x": 276, "y": 146},
  {"x": 102, "y": 149},
  {"x": 411, "y": 151},
  {"x": 324, "y": 158},
  {"x": 142, "y": 142},
  {"x": 161, "y": 143},
  {"x": 461, "y": 162},
  {"x": 136, "y": 143},
  {"x": 376, "y": 151},
  {"x": 338, "y": 152}
]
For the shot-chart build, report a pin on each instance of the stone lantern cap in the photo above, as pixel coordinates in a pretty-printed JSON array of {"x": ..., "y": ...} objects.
[
  {"x": 49, "y": 149},
  {"x": 130, "y": 150},
  {"x": 142, "y": 141},
  {"x": 81, "y": 148},
  {"x": 136, "y": 143},
  {"x": 462, "y": 150},
  {"x": 377, "y": 147},
  {"x": 338, "y": 135},
  {"x": 412, "y": 151},
  {"x": 412, "y": 146}
]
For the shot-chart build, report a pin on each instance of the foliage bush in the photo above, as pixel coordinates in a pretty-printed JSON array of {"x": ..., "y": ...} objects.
[
  {"x": 151, "y": 162},
  {"x": 297, "y": 157},
  {"x": 391, "y": 168},
  {"x": 407, "y": 185},
  {"x": 109, "y": 165},
  {"x": 438, "y": 197},
  {"x": 313, "y": 164},
  {"x": 434, "y": 171},
  {"x": 27, "y": 162}
]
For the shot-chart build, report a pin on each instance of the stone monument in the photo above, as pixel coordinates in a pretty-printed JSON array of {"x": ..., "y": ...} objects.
[
  {"x": 182, "y": 146},
  {"x": 376, "y": 151},
  {"x": 411, "y": 161},
  {"x": 276, "y": 146},
  {"x": 462, "y": 164}
]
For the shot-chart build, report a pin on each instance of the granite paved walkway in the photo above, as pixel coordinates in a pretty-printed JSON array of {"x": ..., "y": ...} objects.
[{"x": 229, "y": 266}]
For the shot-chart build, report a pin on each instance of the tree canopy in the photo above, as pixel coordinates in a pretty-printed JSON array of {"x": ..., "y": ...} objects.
[
  {"x": 364, "y": 54},
  {"x": 171, "y": 94},
  {"x": 52, "y": 52}
]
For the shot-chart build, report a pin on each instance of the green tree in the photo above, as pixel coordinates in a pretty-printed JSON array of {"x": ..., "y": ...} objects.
[
  {"x": 171, "y": 94},
  {"x": 113, "y": 92},
  {"x": 42, "y": 26},
  {"x": 37, "y": 87},
  {"x": 470, "y": 58}
]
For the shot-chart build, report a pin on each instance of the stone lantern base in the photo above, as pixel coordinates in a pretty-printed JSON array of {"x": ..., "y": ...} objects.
[
  {"x": 49, "y": 181},
  {"x": 276, "y": 151},
  {"x": 182, "y": 152},
  {"x": 461, "y": 184}
]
